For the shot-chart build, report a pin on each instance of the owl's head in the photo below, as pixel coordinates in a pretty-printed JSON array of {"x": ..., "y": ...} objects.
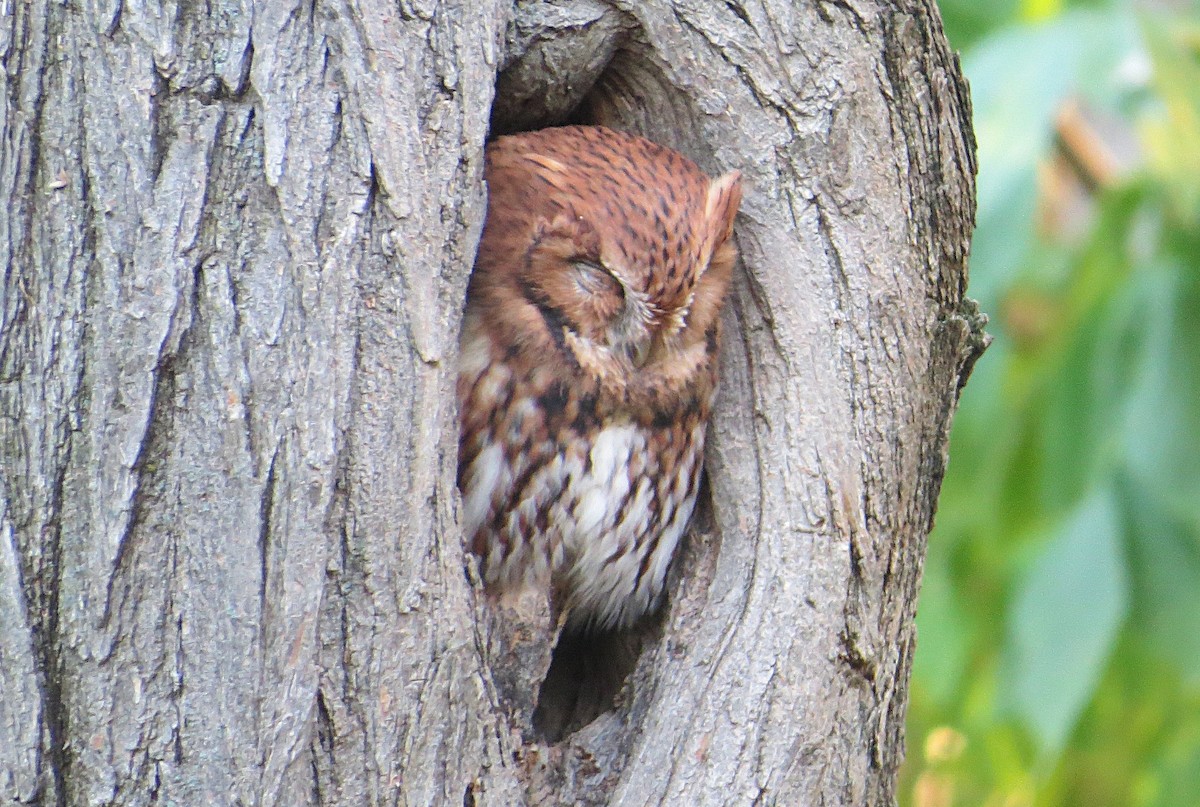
[{"x": 620, "y": 247}]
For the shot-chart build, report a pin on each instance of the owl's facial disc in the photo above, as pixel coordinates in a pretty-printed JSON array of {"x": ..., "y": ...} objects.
[{"x": 586, "y": 286}]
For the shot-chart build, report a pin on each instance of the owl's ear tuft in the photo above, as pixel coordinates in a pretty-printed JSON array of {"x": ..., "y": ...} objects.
[{"x": 724, "y": 198}]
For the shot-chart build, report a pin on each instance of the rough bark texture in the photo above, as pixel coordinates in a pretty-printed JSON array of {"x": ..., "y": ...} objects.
[{"x": 236, "y": 241}]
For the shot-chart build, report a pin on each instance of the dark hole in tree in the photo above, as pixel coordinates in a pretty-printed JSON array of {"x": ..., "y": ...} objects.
[{"x": 587, "y": 673}]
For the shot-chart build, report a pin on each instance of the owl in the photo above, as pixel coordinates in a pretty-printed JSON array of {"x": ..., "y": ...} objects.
[{"x": 588, "y": 366}]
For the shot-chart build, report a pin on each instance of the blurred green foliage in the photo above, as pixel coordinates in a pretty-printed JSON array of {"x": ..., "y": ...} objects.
[{"x": 1059, "y": 624}]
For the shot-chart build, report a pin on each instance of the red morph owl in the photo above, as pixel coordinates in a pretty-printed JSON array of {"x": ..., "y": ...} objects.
[{"x": 588, "y": 365}]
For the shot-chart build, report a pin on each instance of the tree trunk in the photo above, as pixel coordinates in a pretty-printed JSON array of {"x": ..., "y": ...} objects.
[{"x": 236, "y": 244}]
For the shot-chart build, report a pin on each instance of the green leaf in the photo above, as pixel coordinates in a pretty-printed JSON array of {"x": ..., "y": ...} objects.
[
  {"x": 1064, "y": 620},
  {"x": 968, "y": 20},
  {"x": 1164, "y": 555},
  {"x": 1162, "y": 424},
  {"x": 942, "y": 633}
]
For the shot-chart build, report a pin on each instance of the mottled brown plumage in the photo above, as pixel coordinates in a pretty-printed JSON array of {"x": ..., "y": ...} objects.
[{"x": 589, "y": 352}]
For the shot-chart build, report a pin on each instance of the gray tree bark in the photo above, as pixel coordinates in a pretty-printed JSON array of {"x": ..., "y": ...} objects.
[{"x": 236, "y": 242}]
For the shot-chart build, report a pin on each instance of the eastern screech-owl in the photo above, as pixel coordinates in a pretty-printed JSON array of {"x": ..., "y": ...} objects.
[{"x": 589, "y": 361}]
